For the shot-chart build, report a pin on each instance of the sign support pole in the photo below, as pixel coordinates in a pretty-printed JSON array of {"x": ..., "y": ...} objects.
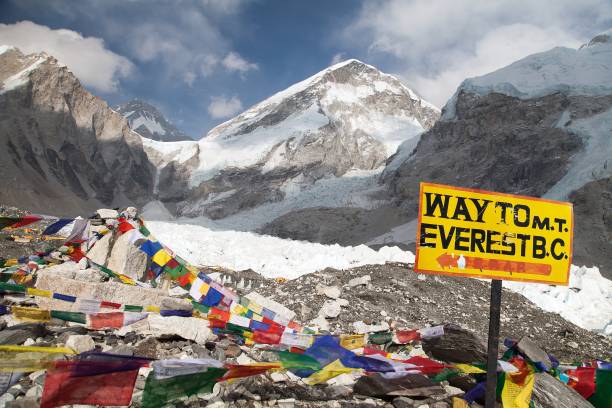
[{"x": 493, "y": 342}]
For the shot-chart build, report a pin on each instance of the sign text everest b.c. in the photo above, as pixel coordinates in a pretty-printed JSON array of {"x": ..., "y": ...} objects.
[{"x": 478, "y": 233}]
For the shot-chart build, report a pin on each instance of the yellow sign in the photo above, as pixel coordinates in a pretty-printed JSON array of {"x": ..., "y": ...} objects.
[{"x": 481, "y": 234}]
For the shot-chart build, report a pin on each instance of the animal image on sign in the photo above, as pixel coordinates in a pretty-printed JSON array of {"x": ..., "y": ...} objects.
[{"x": 482, "y": 234}]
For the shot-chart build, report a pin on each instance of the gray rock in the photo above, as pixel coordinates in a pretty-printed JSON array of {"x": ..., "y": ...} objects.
[
  {"x": 535, "y": 353},
  {"x": 410, "y": 385},
  {"x": 548, "y": 392},
  {"x": 19, "y": 333},
  {"x": 80, "y": 343},
  {"x": 404, "y": 402},
  {"x": 456, "y": 346}
]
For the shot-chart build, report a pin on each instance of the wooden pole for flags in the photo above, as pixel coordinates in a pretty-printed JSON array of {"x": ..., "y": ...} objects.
[{"x": 493, "y": 342}]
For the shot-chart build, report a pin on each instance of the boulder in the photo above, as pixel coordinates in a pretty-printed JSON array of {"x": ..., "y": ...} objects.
[
  {"x": 332, "y": 292},
  {"x": 127, "y": 259},
  {"x": 105, "y": 213},
  {"x": 111, "y": 291},
  {"x": 410, "y": 385},
  {"x": 19, "y": 333},
  {"x": 535, "y": 353},
  {"x": 330, "y": 309},
  {"x": 548, "y": 392},
  {"x": 100, "y": 251},
  {"x": 457, "y": 345},
  {"x": 80, "y": 343},
  {"x": 362, "y": 328},
  {"x": 362, "y": 280},
  {"x": 189, "y": 328}
]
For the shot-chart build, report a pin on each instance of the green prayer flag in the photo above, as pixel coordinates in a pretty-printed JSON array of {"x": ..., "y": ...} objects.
[
  {"x": 158, "y": 393},
  {"x": 176, "y": 272},
  {"x": 445, "y": 375},
  {"x": 297, "y": 361},
  {"x": 602, "y": 398},
  {"x": 200, "y": 307},
  {"x": 76, "y": 317},
  {"x": 380, "y": 338},
  {"x": 9, "y": 287},
  {"x": 132, "y": 308}
]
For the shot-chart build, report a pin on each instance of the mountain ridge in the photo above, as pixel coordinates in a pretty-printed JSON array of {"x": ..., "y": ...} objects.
[{"x": 148, "y": 121}]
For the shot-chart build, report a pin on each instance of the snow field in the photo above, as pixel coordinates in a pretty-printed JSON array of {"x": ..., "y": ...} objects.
[{"x": 586, "y": 302}]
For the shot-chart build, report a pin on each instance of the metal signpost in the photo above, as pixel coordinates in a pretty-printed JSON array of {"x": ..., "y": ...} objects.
[{"x": 482, "y": 234}]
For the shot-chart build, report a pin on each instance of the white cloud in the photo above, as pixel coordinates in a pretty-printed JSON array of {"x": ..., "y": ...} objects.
[
  {"x": 87, "y": 57},
  {"x": 437, "y": 44},
  {"x": 337, "y": 58},
  {"x": 234, "y": 62},
  {"x": 221, "y": 107},
  {"x": 189, "y": 78}
]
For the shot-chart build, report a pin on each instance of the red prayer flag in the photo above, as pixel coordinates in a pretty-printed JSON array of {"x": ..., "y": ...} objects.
[
  {"x": 262, "y": 337},
  {"x": 125, "y": 227},
  {"x": 112, "y": 320},
  {"x": 110, "y": 305},
  {"x": 64, "y": 385},
  {"x": 585, "y": 385}
]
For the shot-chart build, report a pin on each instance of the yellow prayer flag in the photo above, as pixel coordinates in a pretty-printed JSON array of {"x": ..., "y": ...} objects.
[
  {"x": 328, "y": 372},
  {"x": 204, "y": 288},
  {"x": 161, "y": 257},
  {"x": 35, "y": 349},
  {"x": 515, "y": 395},
  {"x": 352, "y": 341},
  {"x": 11, "y": 262},
  {"x": 460, "y": 403},
  {"x": 255, "y": 308},
  {"x": 31, "y": 314},
  {"x": 469, "y": 369},
  {"x": 39, "y": 292},
  {"x": 154, "y": 309}
]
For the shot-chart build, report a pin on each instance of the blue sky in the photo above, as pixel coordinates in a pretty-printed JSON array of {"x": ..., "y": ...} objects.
[{"x": 203, "y": 61}]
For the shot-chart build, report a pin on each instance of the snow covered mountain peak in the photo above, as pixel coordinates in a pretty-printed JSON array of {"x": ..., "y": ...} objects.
[
  {"x": 146, "y": 120},
  {"x": 583, "y": 71},
  {"x": 16, "y": 66},
  {"x": 351, "y": 107},
  {"x": 603, "y": 38}
]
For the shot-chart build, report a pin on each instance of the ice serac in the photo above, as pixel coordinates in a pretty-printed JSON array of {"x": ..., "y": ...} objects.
[
  {"x": 538, "y": 127},
  {"x": 63, "y": 150},
  {"x": 146, "y": 120},
  {"x": 348, "y": 117}
]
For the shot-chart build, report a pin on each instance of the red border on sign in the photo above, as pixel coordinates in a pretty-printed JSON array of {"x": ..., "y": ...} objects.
[{"x": 511, "y": 278}]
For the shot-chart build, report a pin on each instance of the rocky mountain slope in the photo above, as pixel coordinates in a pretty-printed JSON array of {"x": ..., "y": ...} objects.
[
  {"x": 539, "y": 127},
  {"x": 348, "y": 117},
  {"x": 146, "y": 120},
  {"x": 64, "y": 151}
]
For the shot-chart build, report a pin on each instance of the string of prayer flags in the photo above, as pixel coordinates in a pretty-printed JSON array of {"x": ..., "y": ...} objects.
[
  {"x": 17, "y": 222},
  {"x": 159, "y": 392}
]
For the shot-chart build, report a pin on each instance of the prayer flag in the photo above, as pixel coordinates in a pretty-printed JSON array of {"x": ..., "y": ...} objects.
[
  {"x": 88, "y": 382},
  {"x": 57, "y": 225},
  {"x": 158, "y": 393},
  {"x": 602, "y": 398},
  {"x": 333, "y": 369},
  {"x": 16, "y": 222}
]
